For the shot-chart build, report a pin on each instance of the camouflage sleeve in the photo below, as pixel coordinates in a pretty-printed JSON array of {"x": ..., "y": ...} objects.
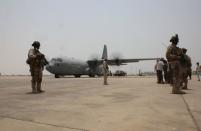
[
  {"x": 105, "y": 66},
  {"x": 31, "y": 56},
  {"x": 44, "y": 61},
  {"x": 31, "y": 53}
]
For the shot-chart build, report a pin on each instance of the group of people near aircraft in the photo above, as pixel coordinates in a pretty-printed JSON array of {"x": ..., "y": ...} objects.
[
  {"x": 176, "y": 69},
  {"x": 36, "y": 61}
]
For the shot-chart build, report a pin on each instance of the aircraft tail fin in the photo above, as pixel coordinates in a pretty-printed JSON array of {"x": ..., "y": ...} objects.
[{"x": 104, "y": 55}]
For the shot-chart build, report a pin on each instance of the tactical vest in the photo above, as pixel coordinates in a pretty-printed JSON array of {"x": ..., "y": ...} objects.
[
  {"x": 35, "y": 62},
  {"x": 173, "y": 51}
]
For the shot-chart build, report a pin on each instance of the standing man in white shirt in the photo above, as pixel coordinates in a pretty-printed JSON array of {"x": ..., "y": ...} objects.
[
  {"x": 198, "y": 70},
  {"x": 159, "y": 71}
]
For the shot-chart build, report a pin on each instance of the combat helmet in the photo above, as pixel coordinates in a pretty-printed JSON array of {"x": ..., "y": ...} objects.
[
  {"x": 184, "y": 50},
  {"x": 174, "y": 38},
  {"x": 36, "y": 44}
]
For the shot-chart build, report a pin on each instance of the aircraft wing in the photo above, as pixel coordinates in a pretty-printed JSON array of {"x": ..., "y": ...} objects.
[
  {"x": 125, "y": 61},
  {"x": 117, "y": 62}
]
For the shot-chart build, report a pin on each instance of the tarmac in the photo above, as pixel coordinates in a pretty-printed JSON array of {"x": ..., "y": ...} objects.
[{"x": 85, "y": 104}]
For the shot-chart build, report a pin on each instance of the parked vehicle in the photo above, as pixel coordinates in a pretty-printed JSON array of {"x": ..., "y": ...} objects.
[{"x": 120, "y": 73}]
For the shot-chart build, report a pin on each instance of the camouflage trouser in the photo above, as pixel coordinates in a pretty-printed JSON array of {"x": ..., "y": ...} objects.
[
  {"x": 184, "y": 76},
  {"x": 36, "y": 80},
  {"x": 169, "y": 74},
  {"x": 176, "y": 74},
  {"x": 189, "y": 72},
  {"x": 105, "y": 77}
]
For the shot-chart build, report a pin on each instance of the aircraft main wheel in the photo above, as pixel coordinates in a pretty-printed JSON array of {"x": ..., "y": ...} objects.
[
  {"x": 91, "y": 75},
  {"x": 77, "y": 75},
  {"x": 56, "y": 76},
  {"x": 99, "y": 75}
]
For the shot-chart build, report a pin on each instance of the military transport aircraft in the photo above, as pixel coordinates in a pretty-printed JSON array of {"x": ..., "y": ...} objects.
[{"x": 69, "y": 66}]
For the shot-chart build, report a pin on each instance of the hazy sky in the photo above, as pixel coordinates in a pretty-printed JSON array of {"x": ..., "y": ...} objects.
[{"x": 80, "y": 28}]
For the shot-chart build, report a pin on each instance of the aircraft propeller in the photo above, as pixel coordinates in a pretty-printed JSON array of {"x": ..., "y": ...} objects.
[{"x": 116, "y": 57}]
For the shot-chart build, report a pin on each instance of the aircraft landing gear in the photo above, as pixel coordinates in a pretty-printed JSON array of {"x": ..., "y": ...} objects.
[
  {"x": 56, "y": 76},
  {"x": 77, "y": 76},
  {"x": 91, "y": 75}
]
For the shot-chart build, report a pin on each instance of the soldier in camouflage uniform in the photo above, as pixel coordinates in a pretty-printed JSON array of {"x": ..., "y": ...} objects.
[
  {"x": 36, "y": 61},
  {"x": 173, "y": 56},
  {"x": 185, "y": 68},
  {"x": 188, "y": 63},
  {"x": 105, "y": 71}
]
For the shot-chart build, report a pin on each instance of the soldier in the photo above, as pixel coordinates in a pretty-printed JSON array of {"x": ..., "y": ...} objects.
[
  {"x": 189, "y": 65},
  {"x": 173, "y": 56},
  {"x": 36, "y": 61},
  {"x": 185, "y": 68},
  {"x": 105, "y": 71}
]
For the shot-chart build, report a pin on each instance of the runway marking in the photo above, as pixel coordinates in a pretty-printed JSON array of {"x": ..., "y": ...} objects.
[
  {"x": 36, "y": 122},
  {"x": 191, "y": 114}
]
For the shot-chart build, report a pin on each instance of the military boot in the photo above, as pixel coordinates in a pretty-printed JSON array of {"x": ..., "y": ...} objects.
[
  {"x": 33, "y": 85},
  {"x": 180, "y": 92},
  {"x": 174, "y": 90},
  {"x": 177, "y": 91},
  {"x": 105, "y": 83},
  {"x": 185, "y": 87},
  {"x": 39, "y": 87}
]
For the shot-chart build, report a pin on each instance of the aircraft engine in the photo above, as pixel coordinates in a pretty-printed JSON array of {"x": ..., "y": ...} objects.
[{"x": 117, "y": 56}]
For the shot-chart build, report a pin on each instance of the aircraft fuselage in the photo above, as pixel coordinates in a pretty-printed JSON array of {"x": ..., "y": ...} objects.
[{"x": 62, "y": 67}]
